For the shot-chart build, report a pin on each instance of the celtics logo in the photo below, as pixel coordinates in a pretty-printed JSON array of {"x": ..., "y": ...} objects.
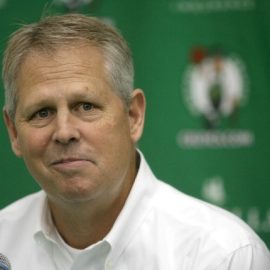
[{"x": 215, "y": 86}]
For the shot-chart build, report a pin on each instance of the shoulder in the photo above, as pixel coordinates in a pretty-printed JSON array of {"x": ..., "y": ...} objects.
[
  {"x": 22, "y": 208},
  {"x": 178, "y": 219},
  {"x": 195, "y": 213},
  {"x": 18, "y": 222},
  {"x": 201, "y": 227}
]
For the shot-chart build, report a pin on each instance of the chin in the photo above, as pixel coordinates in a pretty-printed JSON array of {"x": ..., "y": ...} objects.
[{"x": 73, "y": 195}]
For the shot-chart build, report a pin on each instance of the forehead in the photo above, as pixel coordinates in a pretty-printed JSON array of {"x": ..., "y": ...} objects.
[
  {"x": 64, "y": 62},
  {"x": 77, "y": 53}
]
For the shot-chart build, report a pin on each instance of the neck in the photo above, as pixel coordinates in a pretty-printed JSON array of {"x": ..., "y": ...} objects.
[{"x": 83, "y": 224}]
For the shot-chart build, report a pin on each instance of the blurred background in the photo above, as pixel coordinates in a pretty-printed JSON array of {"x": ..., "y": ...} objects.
[{"x": 205, "y": 70}]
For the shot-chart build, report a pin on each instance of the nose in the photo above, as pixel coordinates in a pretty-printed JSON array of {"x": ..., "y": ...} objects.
[{"x": 66, "y": 129}]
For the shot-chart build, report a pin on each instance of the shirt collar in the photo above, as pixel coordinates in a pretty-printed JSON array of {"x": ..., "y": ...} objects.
[
  {"x": 137, "y": 205},
  {"x": 44, "y": 226}
]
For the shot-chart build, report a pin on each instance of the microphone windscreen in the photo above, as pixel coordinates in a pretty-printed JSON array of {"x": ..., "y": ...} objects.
[{"x": 4, "y": 263}]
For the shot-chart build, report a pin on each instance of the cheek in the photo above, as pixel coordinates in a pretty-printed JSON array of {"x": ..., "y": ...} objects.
[
  {"x": 109, "y": 139},
  {"x": 115, "y": 133},
  {"x": 32, "y": 142},
  {"x": 117, "y": 142}
]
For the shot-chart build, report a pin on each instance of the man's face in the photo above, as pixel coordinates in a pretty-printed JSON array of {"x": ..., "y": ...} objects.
[{"x": 74, "y": 133}]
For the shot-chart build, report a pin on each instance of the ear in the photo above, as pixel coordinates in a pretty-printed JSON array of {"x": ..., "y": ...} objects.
[
  {"x": 136, "y": 114},
  {"x": 12, "y": 132}
]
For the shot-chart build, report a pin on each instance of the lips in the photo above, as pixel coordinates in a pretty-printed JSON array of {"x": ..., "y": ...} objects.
[
  {"x": 70, "y": 163},
  {"x": 67, "y": 160}
]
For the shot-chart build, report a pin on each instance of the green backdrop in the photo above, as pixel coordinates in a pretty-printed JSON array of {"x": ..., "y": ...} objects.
[{"x": 204, "y": 66}]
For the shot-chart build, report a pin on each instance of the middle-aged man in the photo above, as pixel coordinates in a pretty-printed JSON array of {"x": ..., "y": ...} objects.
[{"x": 74, "y": 118}]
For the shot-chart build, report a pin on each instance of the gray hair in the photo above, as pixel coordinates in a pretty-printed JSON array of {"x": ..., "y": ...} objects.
[{"x": 55, "y": 31}]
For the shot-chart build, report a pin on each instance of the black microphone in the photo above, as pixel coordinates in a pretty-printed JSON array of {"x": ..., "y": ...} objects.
[{"x": 4, "y": 263}]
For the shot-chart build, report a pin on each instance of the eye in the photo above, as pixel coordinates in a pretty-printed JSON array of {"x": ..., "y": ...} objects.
[
  {"x": 42, "y": 114},
  {"x": 87, "y": 106},
  {"x": 86, "y": 110}
]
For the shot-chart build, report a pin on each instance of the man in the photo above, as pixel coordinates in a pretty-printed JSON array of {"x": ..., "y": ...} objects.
[{"x": 73, "y": 116}]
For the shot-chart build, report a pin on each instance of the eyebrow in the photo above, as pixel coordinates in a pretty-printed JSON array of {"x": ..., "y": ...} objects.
[{"x": 48, "y": 101}]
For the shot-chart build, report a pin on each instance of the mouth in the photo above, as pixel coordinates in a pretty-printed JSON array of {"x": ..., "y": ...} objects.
[
  {"x": 70, "y": 163},
  {"x": 66, "y": 160}
]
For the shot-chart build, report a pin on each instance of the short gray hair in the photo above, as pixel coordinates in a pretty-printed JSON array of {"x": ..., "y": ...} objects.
[{"x": 53, "y": 32}]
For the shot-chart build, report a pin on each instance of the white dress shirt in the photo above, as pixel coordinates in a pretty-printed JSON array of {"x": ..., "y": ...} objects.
[{"x": 159, "y": 228}]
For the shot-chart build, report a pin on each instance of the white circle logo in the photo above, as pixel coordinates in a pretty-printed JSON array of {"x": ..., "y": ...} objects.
[{"x": 215, "y": 86}]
